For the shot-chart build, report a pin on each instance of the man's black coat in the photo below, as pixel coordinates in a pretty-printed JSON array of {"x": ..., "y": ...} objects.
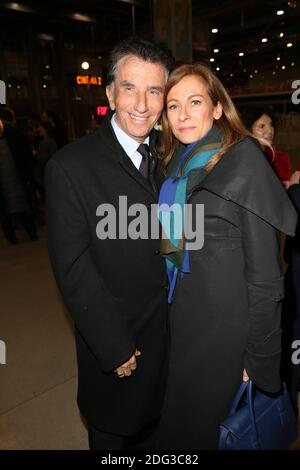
[{"x": 113, "y": 288}]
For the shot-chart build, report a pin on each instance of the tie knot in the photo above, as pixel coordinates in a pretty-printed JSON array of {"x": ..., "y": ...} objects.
[{"x": 143, "y": 149}]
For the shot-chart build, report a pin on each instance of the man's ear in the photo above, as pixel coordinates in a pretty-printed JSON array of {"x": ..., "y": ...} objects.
[
  {"x": 218, "y": 111},
  {"x": 110, "y": 96}
]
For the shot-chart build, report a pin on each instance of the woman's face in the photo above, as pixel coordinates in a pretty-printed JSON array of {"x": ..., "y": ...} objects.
[
  {"x": 263, "y": 128},
  {"x": 190, "y": 110}
]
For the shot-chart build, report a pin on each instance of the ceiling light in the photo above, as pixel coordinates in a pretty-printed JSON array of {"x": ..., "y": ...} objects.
[
  {"x": 217, "y": 69},
  {"x": 214, "y": 30},
  {"x": 85, "y": 65},
  {"x": 280, "y": 12},
  {"x": 251, "y": 76},
  {"x": 289, "y": 44},
  {"x": 45, "y": 37},
  {"x": 216, "y": 51},
  {"x": 292, "y": 64},
  {"x": 44, "y": 86},
  {"x": 278, "y": 57},
  {"x": 273, "y": 73},
  {"x": 231, "y": 74},
  {"x": 283, "y": 67},
  {"x": 211, "y": 59},
  {"x": 255, "y": 71},
  {"x": 264, "y": 40},
  {"x": 18, "y": 7},
  {"x": 241, "y": 54},
  {"x": 80, "y": 17},
  {"x": 281, "y": 35}
]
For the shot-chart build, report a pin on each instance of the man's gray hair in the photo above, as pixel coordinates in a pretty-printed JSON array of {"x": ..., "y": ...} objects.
[{"x": 154, "y": 52}]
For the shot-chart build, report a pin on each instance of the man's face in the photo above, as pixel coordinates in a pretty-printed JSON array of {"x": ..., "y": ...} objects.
[{"x": 137, "y": 96}]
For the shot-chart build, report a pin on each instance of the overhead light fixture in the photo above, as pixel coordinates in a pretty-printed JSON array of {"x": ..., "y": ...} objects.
[
  {"x": 85, "y": 65},
  {"x": 264, "y": 40},
  {"x": 283, "y": 67},
  {"x": 278, "y": 57},
  {"x": 214, "y": 30},
  {"x": 255, "y": 71},
  {"x": 44, "y": 86},
  {"x": 211, "y": 59},
  {"x": 81, "y": 17},
  {"x": 216, "y": 51},
  {"x": 231, "y": 74},
  {"x": 45, "y": 37},
  {"x": 218, "y": 69},
  {"x": 280, "y": 12},
  {"x": 273, "y": 73},
  {"x": 18, "y": 7},
  {"x": 289, "y": 44},
  {"x": 281, "y": 35},
  {"x": 251, "y": 76},
  {"x": 293, "y": 64},
  {"x": 241, "y": 54}
]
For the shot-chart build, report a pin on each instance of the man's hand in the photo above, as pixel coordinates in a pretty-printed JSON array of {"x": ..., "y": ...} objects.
[{"x": 126, "y": 369}]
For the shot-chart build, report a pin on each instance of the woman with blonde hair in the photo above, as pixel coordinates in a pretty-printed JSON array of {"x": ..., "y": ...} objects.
[{"x": 225, "y": 314}]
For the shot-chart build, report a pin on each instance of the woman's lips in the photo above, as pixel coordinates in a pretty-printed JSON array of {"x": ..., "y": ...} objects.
[{"x": 183, "y": 129}]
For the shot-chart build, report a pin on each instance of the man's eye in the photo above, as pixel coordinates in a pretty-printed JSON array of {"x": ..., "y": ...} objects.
[
  {"x": 129, "y": 88},
  {"x": 154, "y": 92}
]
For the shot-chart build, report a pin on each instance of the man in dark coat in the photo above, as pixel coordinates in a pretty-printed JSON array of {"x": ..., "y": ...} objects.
[{"x": 114, "y": 286}]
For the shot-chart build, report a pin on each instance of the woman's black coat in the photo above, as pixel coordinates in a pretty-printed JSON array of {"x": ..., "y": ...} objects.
[{"x": 226, "y": 311}]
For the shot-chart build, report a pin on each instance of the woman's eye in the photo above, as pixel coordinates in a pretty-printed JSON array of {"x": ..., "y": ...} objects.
[
  {"x": 171, "y": 107},
  {"x": 196, "y": 102}
]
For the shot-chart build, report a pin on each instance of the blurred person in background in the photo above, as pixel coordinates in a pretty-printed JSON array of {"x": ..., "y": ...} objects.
[
  {"x": 59, "y": 130},
  {"x": 17, "y": 199},
  {"x": 45, "y": 147},
  {"x": 261, "y": 123}
]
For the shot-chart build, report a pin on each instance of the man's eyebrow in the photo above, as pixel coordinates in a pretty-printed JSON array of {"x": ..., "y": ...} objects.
[
  {"x": 154, "y": 87},
  {"x": 126, "y": 83}
]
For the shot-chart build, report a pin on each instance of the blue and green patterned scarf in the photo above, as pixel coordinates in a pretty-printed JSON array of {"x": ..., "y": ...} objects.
[{"x": 183, "y": 178}]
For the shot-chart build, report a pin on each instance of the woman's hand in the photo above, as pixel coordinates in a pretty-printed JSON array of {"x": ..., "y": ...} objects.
[
  {"x": 245, "y": 376},
  {"x": 294, "y": 179}
]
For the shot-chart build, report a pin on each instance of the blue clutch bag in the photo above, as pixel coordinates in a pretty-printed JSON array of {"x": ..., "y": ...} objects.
[{"x": 258, "y": 421}]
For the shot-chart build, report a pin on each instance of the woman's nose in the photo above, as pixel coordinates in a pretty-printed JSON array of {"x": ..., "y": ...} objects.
[{"x": 183, "y": 114}]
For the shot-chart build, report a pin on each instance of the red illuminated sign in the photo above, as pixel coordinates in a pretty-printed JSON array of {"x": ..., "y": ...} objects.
[{"x": 102, "y": 110}]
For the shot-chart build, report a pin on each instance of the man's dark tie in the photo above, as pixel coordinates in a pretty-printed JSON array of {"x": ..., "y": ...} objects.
[{"x": 143, "y": 149}]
